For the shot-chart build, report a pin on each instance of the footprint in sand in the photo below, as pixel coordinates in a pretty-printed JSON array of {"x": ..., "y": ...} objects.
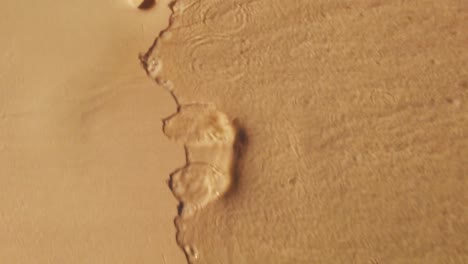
[
  {"x": 199, "y": 124},
  {"x": 198, "y": 184},
  {"x": 209, "y": 137}
]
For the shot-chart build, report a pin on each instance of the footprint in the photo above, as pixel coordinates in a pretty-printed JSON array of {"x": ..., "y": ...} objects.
[
  {"x": 220, "y": 156},
  {"x": 199, "y": 124},
  {"x": 209, "y": 137},
  {"x": 198, "y": 184}
]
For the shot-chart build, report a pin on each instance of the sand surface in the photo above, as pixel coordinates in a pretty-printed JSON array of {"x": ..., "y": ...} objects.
[
  {"x": 353, "y": 121},
  {"x": 302, "y": 132},
  {"x": 83, "y": 160}
]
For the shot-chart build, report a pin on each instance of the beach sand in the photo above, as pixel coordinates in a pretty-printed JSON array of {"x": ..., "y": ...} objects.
[
  {"x": 353, "y": 121},
  {"x": 84, "y": 163},
  {"x": 290, "y": 132}
]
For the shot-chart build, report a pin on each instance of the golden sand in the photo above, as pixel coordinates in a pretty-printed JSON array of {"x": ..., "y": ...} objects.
[
  {"x": 289, "y": 131},
  {"x": 84, "y": 162},
  {"x": 354, "y": 123}
]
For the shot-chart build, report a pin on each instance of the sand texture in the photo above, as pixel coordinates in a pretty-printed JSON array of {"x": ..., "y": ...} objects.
[
  {"x": 292, "y": 132},
  {"x": 84, "y": 162},
  {"x": 350, "y": 123}
]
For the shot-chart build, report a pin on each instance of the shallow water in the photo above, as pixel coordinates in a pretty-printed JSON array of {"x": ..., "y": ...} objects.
[{"x": 353, "y": 150}]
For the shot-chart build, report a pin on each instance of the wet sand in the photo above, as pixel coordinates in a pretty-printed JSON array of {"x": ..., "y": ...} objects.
[
  {"x": 353, "y": 116},
  {"x": 291, "y": 132}
]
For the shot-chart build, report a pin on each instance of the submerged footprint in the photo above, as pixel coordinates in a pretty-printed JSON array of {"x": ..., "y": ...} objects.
[
  {"x": 199, "y": 124},
  {"x": 198, "y": 184},
  {"x": 208, "y": 136}
]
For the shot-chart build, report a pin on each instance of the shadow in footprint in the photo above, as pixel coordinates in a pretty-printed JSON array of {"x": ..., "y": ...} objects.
[
  {"x": 147, "y": 4},
  {"x": 241, "y": 143}
]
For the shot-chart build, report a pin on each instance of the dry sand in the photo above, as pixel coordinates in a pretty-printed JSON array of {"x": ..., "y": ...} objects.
[{"x": 308, "y": 132}]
